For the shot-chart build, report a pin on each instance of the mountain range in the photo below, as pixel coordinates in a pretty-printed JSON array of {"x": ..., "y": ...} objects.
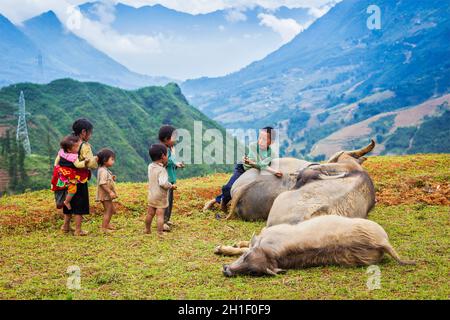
[
  {"x": 333, "y": 86},
  {"x": 214, "y": 43},
  {"x": 338, "y": 73},
  {"x": 42, "y": 50}
]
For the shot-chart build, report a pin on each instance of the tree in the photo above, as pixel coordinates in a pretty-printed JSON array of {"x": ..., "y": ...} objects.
[
  {"x": 21, "y": 170},
  {"x": 12, "y": 164},
  {"x": 49, "y": 152},
  {"x": 14, "y": 157}
]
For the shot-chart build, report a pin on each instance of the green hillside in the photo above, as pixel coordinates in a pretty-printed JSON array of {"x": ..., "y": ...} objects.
[{"x": 126, "y": 121}]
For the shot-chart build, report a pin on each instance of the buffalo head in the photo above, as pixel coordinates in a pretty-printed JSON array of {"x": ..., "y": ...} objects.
[{"x": 256, "y": 262}]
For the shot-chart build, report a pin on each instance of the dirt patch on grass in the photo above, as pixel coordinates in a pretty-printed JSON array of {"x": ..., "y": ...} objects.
[{"x": 411, "y": 179}]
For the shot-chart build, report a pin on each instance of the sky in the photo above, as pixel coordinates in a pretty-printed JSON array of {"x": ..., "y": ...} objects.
[{"x": 135, "y": 50}]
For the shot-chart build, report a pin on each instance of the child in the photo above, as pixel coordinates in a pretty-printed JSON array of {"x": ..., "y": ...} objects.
[
  {"x": 158, "y": 187},
  {"x": 68, "y": 176},
  {"x": 167, "y": 136},
  {"x": 260, "y": 156},
  {"x": 106, "y": 191}
]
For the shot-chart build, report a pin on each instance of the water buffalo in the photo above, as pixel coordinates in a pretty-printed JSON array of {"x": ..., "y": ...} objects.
[
  {"x": 350, "y": 194},
  {"x": 342, "y": 185},
  {"x": 254, "y": 192},
  {"x": 325, "y": 240}
]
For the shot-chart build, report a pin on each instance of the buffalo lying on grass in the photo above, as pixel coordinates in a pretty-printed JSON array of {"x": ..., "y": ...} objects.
[
  {"x": 326, "y": 240},
  {"x": 309, "y": 218}
]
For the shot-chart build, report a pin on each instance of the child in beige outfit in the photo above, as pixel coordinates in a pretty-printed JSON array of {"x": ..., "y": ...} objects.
[
  {"x": 106, "y": 189},
  {"x": 158, "y": 186}
]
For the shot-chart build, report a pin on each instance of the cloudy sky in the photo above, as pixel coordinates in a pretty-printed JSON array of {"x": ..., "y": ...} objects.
[{"x": 145, "y": 53}]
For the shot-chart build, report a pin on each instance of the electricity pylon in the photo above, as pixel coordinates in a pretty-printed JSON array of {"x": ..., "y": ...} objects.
[{"x": 22, "y": 130}]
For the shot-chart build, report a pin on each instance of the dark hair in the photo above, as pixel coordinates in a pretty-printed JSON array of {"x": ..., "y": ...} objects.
[
  {"x": 104, "y": 155},
  {"x": 165, "y": 132},
  {"x": 270, "y": 131},
  {"x": 157, "y": 151},
  {"x": 81, "y": 124},
  {"x": 68, "y": 142}
]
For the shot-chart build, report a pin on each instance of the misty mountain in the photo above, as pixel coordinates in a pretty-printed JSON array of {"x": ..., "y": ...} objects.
[
  {"x": 18, "y": 54},
  {"x": 215, "y": 43},
  {"x": 337, "y": 73},
  {"x": 43, "y": 50}
]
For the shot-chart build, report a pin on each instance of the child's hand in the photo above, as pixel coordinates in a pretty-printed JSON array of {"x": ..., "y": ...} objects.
[
  {"x": 278, "y": 174},
  {"x": 180, "y": 165},
  {"x": 113, "y": 195},
  {"x": 250, "y": 162},
  {"x": 174, "y": 187},
  {"x": 114, "y": 178}
]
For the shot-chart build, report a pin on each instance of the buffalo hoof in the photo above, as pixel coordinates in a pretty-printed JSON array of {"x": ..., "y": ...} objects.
[{"x": 218, "y": 250}]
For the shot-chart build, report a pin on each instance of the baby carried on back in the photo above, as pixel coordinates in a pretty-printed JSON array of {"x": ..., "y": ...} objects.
[{"x": 68, "y": 171}]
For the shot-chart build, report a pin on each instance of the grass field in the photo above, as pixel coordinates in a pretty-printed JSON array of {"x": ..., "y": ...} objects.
[{"x": 413, "y": 198}]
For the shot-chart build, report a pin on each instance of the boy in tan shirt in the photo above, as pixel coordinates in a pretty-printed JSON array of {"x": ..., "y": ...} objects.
[{"x": 158, "y": 186}]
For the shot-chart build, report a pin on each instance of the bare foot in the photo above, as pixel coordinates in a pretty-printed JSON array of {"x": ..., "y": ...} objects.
[
  {"x": 80, "y": 233},
  {"x": 67, "y": 204},
  {"x": 66, "y": 229},
  {"x": 107, "y": 230},
  {"x": 161, "y": 235},
  {"x": 111, "y": 227},
  {"x": 209, "y": 205},
  {"x": 147, "y": 231}
]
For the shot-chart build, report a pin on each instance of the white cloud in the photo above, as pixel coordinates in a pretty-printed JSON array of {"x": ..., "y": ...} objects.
[
  {"x": 105, "y": 11},
  {"x": 287, "y": 28},
  {"x": 102, "y": 36},
  {"x": 235, "y": 15},
  {"x": 206, "y": 6},
  {"x": 319, "y": 11},
  {"x": 19, "y": 10},
  {"x": 150, "y": 54}
]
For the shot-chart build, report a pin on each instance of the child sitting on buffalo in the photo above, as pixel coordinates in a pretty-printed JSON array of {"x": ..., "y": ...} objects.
[{"x": 259, "y": 157}]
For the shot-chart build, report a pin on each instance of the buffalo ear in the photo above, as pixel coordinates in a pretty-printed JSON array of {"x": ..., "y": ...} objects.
[{"x": 253, "y": 241}]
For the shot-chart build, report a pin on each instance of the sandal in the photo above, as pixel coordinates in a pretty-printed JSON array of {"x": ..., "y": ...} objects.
[{"x": 80, "y": 233}]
